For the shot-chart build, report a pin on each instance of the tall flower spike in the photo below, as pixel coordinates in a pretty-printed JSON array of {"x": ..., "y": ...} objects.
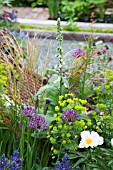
[
  {"x": 16, "y": 158},
  {"x": 65, "y": 164},
  {"x": 3, "y": 162},
  {"x": 60, "y": 51}
]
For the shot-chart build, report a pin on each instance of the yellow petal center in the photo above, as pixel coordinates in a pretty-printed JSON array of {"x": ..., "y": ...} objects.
[{"x": 89, "y": 141}]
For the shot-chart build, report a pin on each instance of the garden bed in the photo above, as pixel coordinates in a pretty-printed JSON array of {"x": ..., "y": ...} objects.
[{"x": 58, "y": 118}]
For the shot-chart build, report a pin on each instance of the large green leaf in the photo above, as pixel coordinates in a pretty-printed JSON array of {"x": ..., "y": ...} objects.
[
  {"x": 42, "y": 89},
  {"x": 48, "y": 118}
]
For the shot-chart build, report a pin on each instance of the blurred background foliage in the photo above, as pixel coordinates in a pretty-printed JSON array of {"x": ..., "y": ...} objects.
[{"x": 79, "y": 10}]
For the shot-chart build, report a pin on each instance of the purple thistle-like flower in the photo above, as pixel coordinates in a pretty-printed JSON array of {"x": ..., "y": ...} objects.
[
  {"x": 38, "y": 122},
  {"x": 29, "y": 111},
  {"x": 3, "y": 162},
  {"x": 78, "y": 52},
  {"x": 65, "y": 164},
  {"x": 69, "y": 115}
]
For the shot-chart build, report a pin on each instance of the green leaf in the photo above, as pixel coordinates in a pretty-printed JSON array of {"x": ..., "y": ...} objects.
[
  {"x": 39, "y": 135},
  {"x": 79, "y": 162},
  {"x": 48, "y": 118},
  {"x": 42, "y": 89},
  {"x": 54, "y": 79},
  {"x": 73, "y": 156},
  {"x": 66, "y": 84}
]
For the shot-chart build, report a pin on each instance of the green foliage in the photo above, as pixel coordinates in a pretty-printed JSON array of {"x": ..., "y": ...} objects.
[
  {"x": 37, "y": 2},
  {"x": 53, "y": 6},
  {"x": 92, "y": 159},
  {"x": 62, "y": 133},
  {"x": 24, "y": 26},
  {"x": 82, "y": 9},
  {"x": 8, "y": 1}
]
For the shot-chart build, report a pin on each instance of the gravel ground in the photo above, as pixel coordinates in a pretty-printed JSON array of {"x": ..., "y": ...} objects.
[
  {"x": 48, "y": 47},
  {"x": 46, "y": 50}
]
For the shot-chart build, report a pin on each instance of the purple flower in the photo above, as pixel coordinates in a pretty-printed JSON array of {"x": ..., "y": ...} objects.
[
  {"x": 16, "y": 157},
  {"x": 14, "y": 166},
  {"x": 47, "y": 101},
  {"x": 65, "y": 164},
  {"x": 12, "y": 15},
  {"x": 38, "y": 122},
  {"x": 69, "y": 115},
  {"x": 78, "y": 52},
  {"x": 19, "y": 34},
  {"x": 15, "y": 162},
  {"x": 29, "y": 111},
  {"x": 3, "y": 162}
]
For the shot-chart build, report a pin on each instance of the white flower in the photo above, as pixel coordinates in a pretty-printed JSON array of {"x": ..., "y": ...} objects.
[
  {"x": 112, "y": 142},
  {"x": 90, "y": 139}
]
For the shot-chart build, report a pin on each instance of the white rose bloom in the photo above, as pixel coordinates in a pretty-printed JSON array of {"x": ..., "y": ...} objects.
[
  {"x": 90, "y": 139},
  {"x": 112, "y": 142}
]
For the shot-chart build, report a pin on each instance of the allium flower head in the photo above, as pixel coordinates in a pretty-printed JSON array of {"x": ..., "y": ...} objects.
[
  {"x": 38, "y": 122},
  {"x": 90, "y": 139},
  {"x": 69, "y": 115},
  {"x": 29, "y": 111},
  {"x": 78, "y": 52}
]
